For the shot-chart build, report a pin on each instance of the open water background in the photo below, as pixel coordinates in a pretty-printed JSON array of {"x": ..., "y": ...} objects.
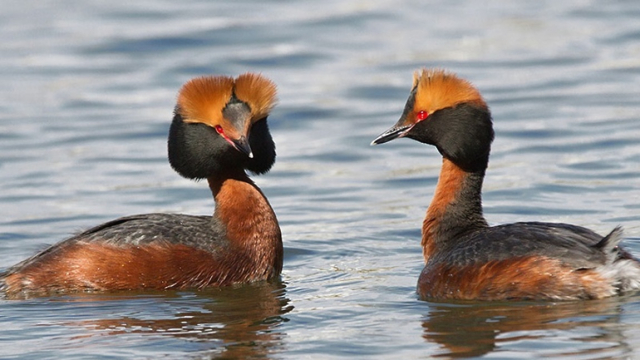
[{"x": 87, "y": 90}]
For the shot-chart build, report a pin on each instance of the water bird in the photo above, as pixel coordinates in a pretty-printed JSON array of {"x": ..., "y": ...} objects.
[
  {"x": 465, "y": 258},
  {"x": 219, "y": 132}
]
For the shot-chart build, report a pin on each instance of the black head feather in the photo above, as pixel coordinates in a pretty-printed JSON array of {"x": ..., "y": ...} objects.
[
  {"x": 197, "y": 151},
  {"x": 462, "y": 133}
]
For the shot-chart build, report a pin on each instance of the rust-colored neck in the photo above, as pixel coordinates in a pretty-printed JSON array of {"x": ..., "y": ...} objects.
[
  {"x": 456, "y": 207},
  {"x": 251, "y": 225}
]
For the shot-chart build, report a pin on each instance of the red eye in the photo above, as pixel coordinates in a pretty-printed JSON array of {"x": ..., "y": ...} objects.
[
  {"x": 421, "y": 115},
  {"x": 219, "y": 129}
]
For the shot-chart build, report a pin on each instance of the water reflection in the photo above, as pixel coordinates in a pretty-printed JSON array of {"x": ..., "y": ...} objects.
[
  {"x": 476, "y": 329},
  {"x": 234, "y": 322}
]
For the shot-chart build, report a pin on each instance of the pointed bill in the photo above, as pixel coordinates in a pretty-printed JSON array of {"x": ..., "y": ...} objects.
[
  {"x": 242, "y": 145},
  {"x": 397, "y": 131}
]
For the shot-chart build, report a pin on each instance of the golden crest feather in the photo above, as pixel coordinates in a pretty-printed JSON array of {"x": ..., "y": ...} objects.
[
  {"x": 257, "y": 91},
  {"x": 436, "y": 89},
  {"x": 202, "y": 99}
]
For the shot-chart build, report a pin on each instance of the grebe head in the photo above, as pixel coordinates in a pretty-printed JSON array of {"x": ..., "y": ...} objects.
[
  {"x": 220, "y": 123},
  {"x": 448, "y": 112}
]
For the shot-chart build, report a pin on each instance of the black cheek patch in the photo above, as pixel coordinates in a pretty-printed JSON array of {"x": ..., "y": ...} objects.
[
  {"x": 462, "y": 133},
  {"x": 197, "y": 151},
  {"x": 263, "y": 147}
]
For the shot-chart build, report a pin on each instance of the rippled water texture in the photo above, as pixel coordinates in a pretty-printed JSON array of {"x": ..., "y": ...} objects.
[{"x": 88, "y": 90}]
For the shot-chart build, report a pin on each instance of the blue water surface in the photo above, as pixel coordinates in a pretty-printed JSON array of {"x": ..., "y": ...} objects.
[{"x": 87, "y": 90}]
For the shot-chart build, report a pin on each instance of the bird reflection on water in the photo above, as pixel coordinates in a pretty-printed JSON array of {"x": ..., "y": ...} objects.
[
  {"x": 474, "y": 329},
  {"x": 237, "y": 322}
]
